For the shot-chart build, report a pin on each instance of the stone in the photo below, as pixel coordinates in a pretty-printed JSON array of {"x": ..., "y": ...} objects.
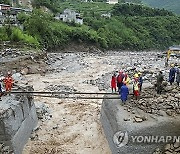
[
  {"x": 17, "y": 77},
  {"x": 168, "y": 152},
  {"x": 177, "y": 96},
  {"x": 169, "y": 113},
  {"x": 127, "y": 119},
  {"x": 34, "y": 136},
  {"x": 177, "y": 150},
  {"x": 138, "y": 119},
  {"x": 167, "y": 147},
  {"x": 24, "y": 71},
  {"x": 176, "y": 144}
]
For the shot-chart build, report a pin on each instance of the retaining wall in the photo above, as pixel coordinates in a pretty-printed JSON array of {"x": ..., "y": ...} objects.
[
  {"x": 17, "y": 120},
  {"x": 112, "y": 120}
]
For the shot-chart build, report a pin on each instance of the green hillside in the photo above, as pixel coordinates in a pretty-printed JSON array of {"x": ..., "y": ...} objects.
[
  {"x": 172, "y": 5},
  {"x": 134, "y": 27}
]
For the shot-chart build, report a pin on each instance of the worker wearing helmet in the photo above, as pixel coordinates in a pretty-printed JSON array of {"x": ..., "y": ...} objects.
[
  {"x": 172, "y": 73},
  {"x": 8, "y": 81},
  {"x": 136, "y": 85},
  {"x": 136, "y": 75},
  {"x": 136, "y": 88},
  {"x": 126, "y": 79}
]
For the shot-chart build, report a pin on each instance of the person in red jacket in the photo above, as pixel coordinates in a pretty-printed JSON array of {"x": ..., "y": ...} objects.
[
  {"x": 113, "y": 83},
  {"x": 8, "y": 81},
  {"x": 120, "y": 78}
]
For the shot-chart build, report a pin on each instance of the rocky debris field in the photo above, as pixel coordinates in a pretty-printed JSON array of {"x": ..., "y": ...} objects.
[
  {"x": 169, "y": 149},
  {"x": 28, "y": 61},
  {"x": 168, "y": 103},
  {"x": 73, "y": 126},
  {"x": 5, "y": 149}
]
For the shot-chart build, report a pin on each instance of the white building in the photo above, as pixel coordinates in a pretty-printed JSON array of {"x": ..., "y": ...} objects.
[
  {"x": 106, "y": 15},
  {"x": 112, "y": 1},
  {"x": 70, "y": 16}
]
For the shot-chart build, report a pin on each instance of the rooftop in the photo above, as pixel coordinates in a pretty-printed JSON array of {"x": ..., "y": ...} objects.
[{"x": 4, "y": 5}]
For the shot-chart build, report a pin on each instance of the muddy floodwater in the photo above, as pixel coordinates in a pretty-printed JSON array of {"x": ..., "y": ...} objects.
[{"x": 74, "y": 125}]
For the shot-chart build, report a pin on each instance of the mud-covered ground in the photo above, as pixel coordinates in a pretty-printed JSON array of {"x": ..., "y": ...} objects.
[{"x": 73, "y": 125}]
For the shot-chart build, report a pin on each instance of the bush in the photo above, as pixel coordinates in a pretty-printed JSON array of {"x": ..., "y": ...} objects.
[
  {"x": 3, "y": 34},
  {"x": 17, "y": 35}
]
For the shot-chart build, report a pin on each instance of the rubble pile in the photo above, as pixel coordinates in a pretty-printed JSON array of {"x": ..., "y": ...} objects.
[
  {"x": 5, "y": 149},
  {"x": 58, "y": 62},
  {"x": 150, "y": 102},
  {"x": 101, "y": 83},
  {"x": 11, "y": 53},
  {"x": 60, "y": 88},
  {"x": 43, "y": 112},
  {"x": 173, "y": 148}
]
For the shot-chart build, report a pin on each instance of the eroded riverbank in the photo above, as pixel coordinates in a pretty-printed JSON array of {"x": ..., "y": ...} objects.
[{"x": 74, "y": 125}]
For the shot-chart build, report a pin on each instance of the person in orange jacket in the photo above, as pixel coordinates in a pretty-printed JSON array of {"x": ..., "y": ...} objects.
[{"x": 8, "y": 81}]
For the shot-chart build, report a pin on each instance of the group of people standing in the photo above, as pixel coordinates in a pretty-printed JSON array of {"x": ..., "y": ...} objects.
[
  {"x": 7, "y": 81},
  {"x": 121, "y": 82}
]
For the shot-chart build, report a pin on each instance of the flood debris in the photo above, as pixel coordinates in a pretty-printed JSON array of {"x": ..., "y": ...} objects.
[
  {"x": 5, "y": 149},
  {"x": 43, "y": 111}
]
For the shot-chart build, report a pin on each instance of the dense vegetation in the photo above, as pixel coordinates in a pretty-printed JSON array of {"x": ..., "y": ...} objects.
[
  {"x": 131, "y": 26},
  {"x": 172, "y": 5},
  {"x": 129, "y": 9},
  {"x": 4, "y": 1}
]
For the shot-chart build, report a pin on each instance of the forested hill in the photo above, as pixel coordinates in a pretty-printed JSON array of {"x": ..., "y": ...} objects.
[
  {"x": 129, "y": 26},
  {"x": 171, "y": 5}
]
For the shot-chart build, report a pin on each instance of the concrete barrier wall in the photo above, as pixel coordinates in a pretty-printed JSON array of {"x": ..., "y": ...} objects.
[
  {"x": 17, "y": 120},
  {"x": 112, "y": 120}
]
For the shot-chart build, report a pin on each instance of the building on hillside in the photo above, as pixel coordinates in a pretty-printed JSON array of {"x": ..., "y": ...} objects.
[
  {"x": 112, "y": 1},
  {"x": 4, "y": 9},
  {"x": 70, "y": 16},
  {"x": 106, "y": 15},
  {"x": 10, "y": 13}
]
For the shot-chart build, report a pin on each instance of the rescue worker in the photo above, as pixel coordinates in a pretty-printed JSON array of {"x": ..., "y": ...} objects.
[
  {"x": 136, "y": 87},
  {"x": 135, "y": 77},
  {"x": 113, "y": 83},
  {"x": 8, "y": 81},
  {"x": 120, "y": 80},
  {"x": 140, "y": 80},
  {"x": 177, "y": 76},
  {"x": 167, "y": 58},
  {"x": 160, "y": 79},
  {"x": 126, "y": 79},
  {"x": 124, "y": 92},
  {"x": 172, "y": 73}
]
